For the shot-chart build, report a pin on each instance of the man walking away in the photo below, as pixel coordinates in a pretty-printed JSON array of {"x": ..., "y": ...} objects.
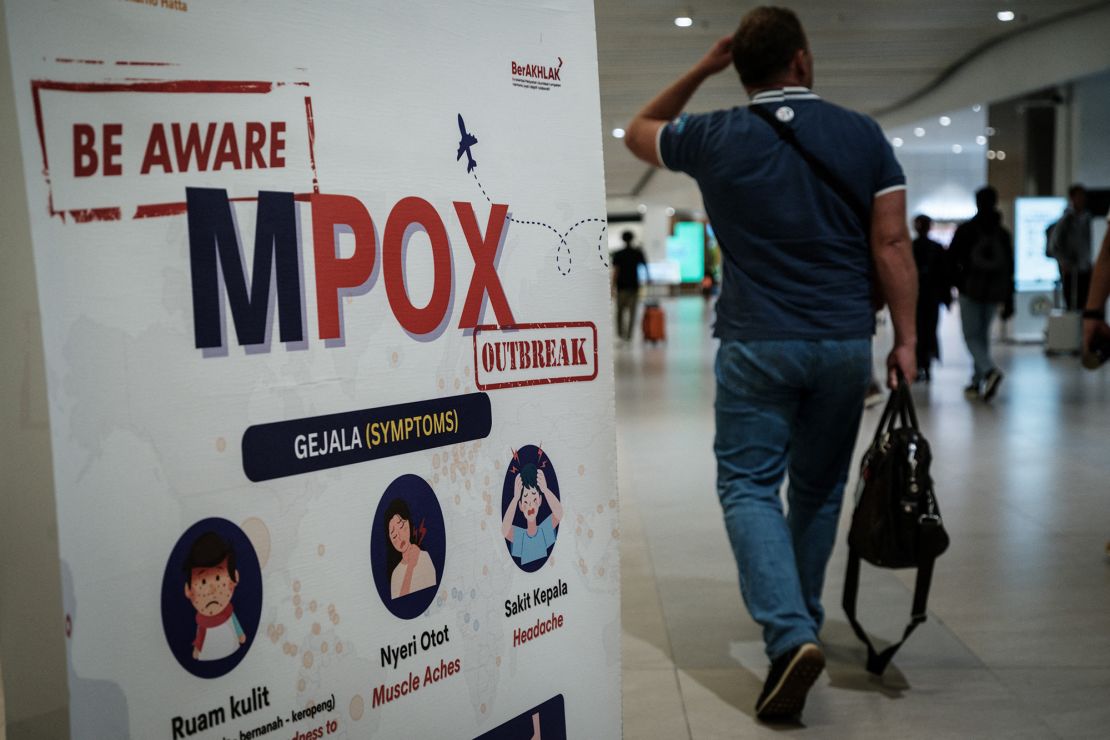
[
  {"x": 933, "y": 289},
  {"x": 794, "y": 315},
  {"x": 982, "y": 254},
  {"x": 626, "y": 269}
]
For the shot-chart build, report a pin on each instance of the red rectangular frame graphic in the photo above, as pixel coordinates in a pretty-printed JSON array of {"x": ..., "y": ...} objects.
[
  {"x": 152, "y": 210},
  {"x": 541, "y": 381}
]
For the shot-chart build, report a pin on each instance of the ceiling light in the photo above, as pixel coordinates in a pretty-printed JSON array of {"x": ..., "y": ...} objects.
[
  {"x": 642, "y": 208},
  {"x": 684, "y": 21},
  {"x": 897, "y": 141},
  {"x": 991, "y": 154},
  {"x": 981, "y": 140},
  {"x": 945, "y": 121},
  {"x": 976, "y": 107},
  {"x": 670, "y": 211},
  {"x": 1006, "y": 15},
  {"x": 618, "y": 133},
  {"x": 990, "y": 130},
  {"x": 1001, "y": 155},
  {"x": 956, "y": 148},
  {"x": 919, "y": 132}
]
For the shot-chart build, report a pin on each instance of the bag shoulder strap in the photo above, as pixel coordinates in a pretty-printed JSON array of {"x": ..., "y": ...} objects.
[
  {"x": 819, "y": 168},
  {"x": 878, "y": 661}
]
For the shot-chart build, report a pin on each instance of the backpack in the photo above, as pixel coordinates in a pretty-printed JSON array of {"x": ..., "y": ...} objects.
[
  {"x": 986, "y": 275},
  {"x": 988, "y": 253}
]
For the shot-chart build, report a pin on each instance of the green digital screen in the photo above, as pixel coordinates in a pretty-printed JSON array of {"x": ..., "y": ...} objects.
[{"x": 687, "y": 248}]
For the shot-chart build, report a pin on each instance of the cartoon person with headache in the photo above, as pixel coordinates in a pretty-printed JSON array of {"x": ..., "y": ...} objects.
[
  {"x": 530, "y": 493},
  {"x": 210, "y": 581},
  {"x": 408, "y": 566}
]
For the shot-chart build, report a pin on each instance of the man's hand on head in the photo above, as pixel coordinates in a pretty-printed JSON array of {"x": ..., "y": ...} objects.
[{"x": 718, "y": 57}]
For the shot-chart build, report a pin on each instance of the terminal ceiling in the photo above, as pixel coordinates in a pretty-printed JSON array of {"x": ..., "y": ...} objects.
[{"x": 870, "y": 55}]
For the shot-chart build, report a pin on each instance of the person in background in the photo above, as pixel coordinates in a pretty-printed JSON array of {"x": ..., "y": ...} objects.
[
  {"x": 626, "y": 275},
  {"x": 933, "y": 289},
  {"x": 794, "y": 315},
  {"x": 1069, "y": 243},
  {"x": 982, "y": 259}
]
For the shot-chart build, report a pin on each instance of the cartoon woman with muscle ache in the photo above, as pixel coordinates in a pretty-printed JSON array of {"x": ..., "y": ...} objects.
[
  {"x": 530, "y": 493},
  {"x": 409, "y": 568}
]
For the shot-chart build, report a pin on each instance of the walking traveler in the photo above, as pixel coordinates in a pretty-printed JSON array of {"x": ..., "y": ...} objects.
[
  {"x": 794, "y": 314},
  {"x": 933, "y": 290},
  {"x": 982, "y": 256},
  {"x": 626, "y": 274}
]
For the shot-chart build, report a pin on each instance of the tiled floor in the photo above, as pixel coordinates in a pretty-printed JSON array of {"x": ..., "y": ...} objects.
[{"x": 1018, "y": 639}]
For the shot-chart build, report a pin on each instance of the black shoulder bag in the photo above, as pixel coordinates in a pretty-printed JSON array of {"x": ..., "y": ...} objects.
[{"x": 896, "y": 522}]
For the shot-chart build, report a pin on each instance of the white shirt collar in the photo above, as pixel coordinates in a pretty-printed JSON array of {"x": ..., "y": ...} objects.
[{"x": 782, "y": 94}]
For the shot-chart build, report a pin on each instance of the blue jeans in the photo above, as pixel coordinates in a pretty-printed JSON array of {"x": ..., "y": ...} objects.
[
  {"x": 976, "y": 318},
  {"x": 789, "y": 405}
]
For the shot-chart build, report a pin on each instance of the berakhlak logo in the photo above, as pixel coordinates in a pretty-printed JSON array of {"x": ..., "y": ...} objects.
[{"x": 534, "y": 76}]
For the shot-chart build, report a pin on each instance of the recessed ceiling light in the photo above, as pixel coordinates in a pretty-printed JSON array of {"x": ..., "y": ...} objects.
[
  {"x": 897, "y": 141},
  {"x": 670, "y": 211},
  {"x": 1006, "y": 15},
  {"x": 1001, "y": 154},
  {"x": 618, "y": 133},
  {"x": 642, "y": 208},
  {"x": 919, "y": 132},
  {"x": 684, "y": 21},
  {"x": 956, "y": 148},
  {"x": 981, "y": 140},
  {"x": 990, "y": 131},
  {"x": 976, "y": 107},
  {"x": 991, "y": 154},
  {"x": 945, "y": 121}
]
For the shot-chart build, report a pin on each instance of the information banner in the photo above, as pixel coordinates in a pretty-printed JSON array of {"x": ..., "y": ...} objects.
[{"x": 325, "y": 305}]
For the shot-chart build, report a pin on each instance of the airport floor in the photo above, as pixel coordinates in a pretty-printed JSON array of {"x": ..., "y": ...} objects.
[{"x": 1017, "y": 644}]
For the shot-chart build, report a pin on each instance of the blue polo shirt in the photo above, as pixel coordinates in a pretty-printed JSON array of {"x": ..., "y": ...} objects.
[{"x": 796, "y": 260}]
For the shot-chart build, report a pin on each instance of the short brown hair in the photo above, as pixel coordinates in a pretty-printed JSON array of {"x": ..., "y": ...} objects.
[{"x": 764, "y": 44}]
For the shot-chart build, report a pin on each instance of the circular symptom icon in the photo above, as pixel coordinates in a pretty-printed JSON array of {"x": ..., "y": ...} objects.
[
  {"x": 408, "y": 547},
  {"x": 531, "y": 508},
  {"x": 211, "y": 598}
]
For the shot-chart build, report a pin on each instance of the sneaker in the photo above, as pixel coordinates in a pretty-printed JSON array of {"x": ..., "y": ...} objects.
[
  {"x": 971, "y": 393},
  {"x": 788, "y": 682},
  {"x": 874, "y": 395},
  {"x": 991, "y": 383}
]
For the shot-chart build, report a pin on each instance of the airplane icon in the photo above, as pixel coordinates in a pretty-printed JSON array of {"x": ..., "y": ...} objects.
[{"x": 465, "y": 142}]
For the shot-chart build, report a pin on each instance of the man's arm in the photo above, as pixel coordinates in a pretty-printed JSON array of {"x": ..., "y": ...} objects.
[
  {"x": 893, "y": 255},
  {"x": 1097, "y": 295},
  {"x": 643, "y": 131}
]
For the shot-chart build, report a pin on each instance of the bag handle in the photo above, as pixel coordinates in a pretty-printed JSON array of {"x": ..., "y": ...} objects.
[
  {"x": 910, "y": 413},
  {"x": 877, "y": 662},
  {"x": 899, "y": 407}
]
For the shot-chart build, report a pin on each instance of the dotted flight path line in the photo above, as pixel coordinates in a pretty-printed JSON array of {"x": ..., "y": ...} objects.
[{"x": 562, "y": 237}]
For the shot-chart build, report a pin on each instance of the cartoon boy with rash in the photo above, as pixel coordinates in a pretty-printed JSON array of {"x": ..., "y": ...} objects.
[
  {"x": 530, "y": 491},
  {"x": 210, "y": 581}
]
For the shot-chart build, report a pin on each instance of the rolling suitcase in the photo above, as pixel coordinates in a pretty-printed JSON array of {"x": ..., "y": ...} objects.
[
  {"x": 654, "y": 323},
  {"x": 1063, "y": 333}
]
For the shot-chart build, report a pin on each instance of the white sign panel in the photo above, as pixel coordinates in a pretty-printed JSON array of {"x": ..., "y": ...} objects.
[
  {"x": 324, "y": 294},
  {"x": 1035, "y": 270}
]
